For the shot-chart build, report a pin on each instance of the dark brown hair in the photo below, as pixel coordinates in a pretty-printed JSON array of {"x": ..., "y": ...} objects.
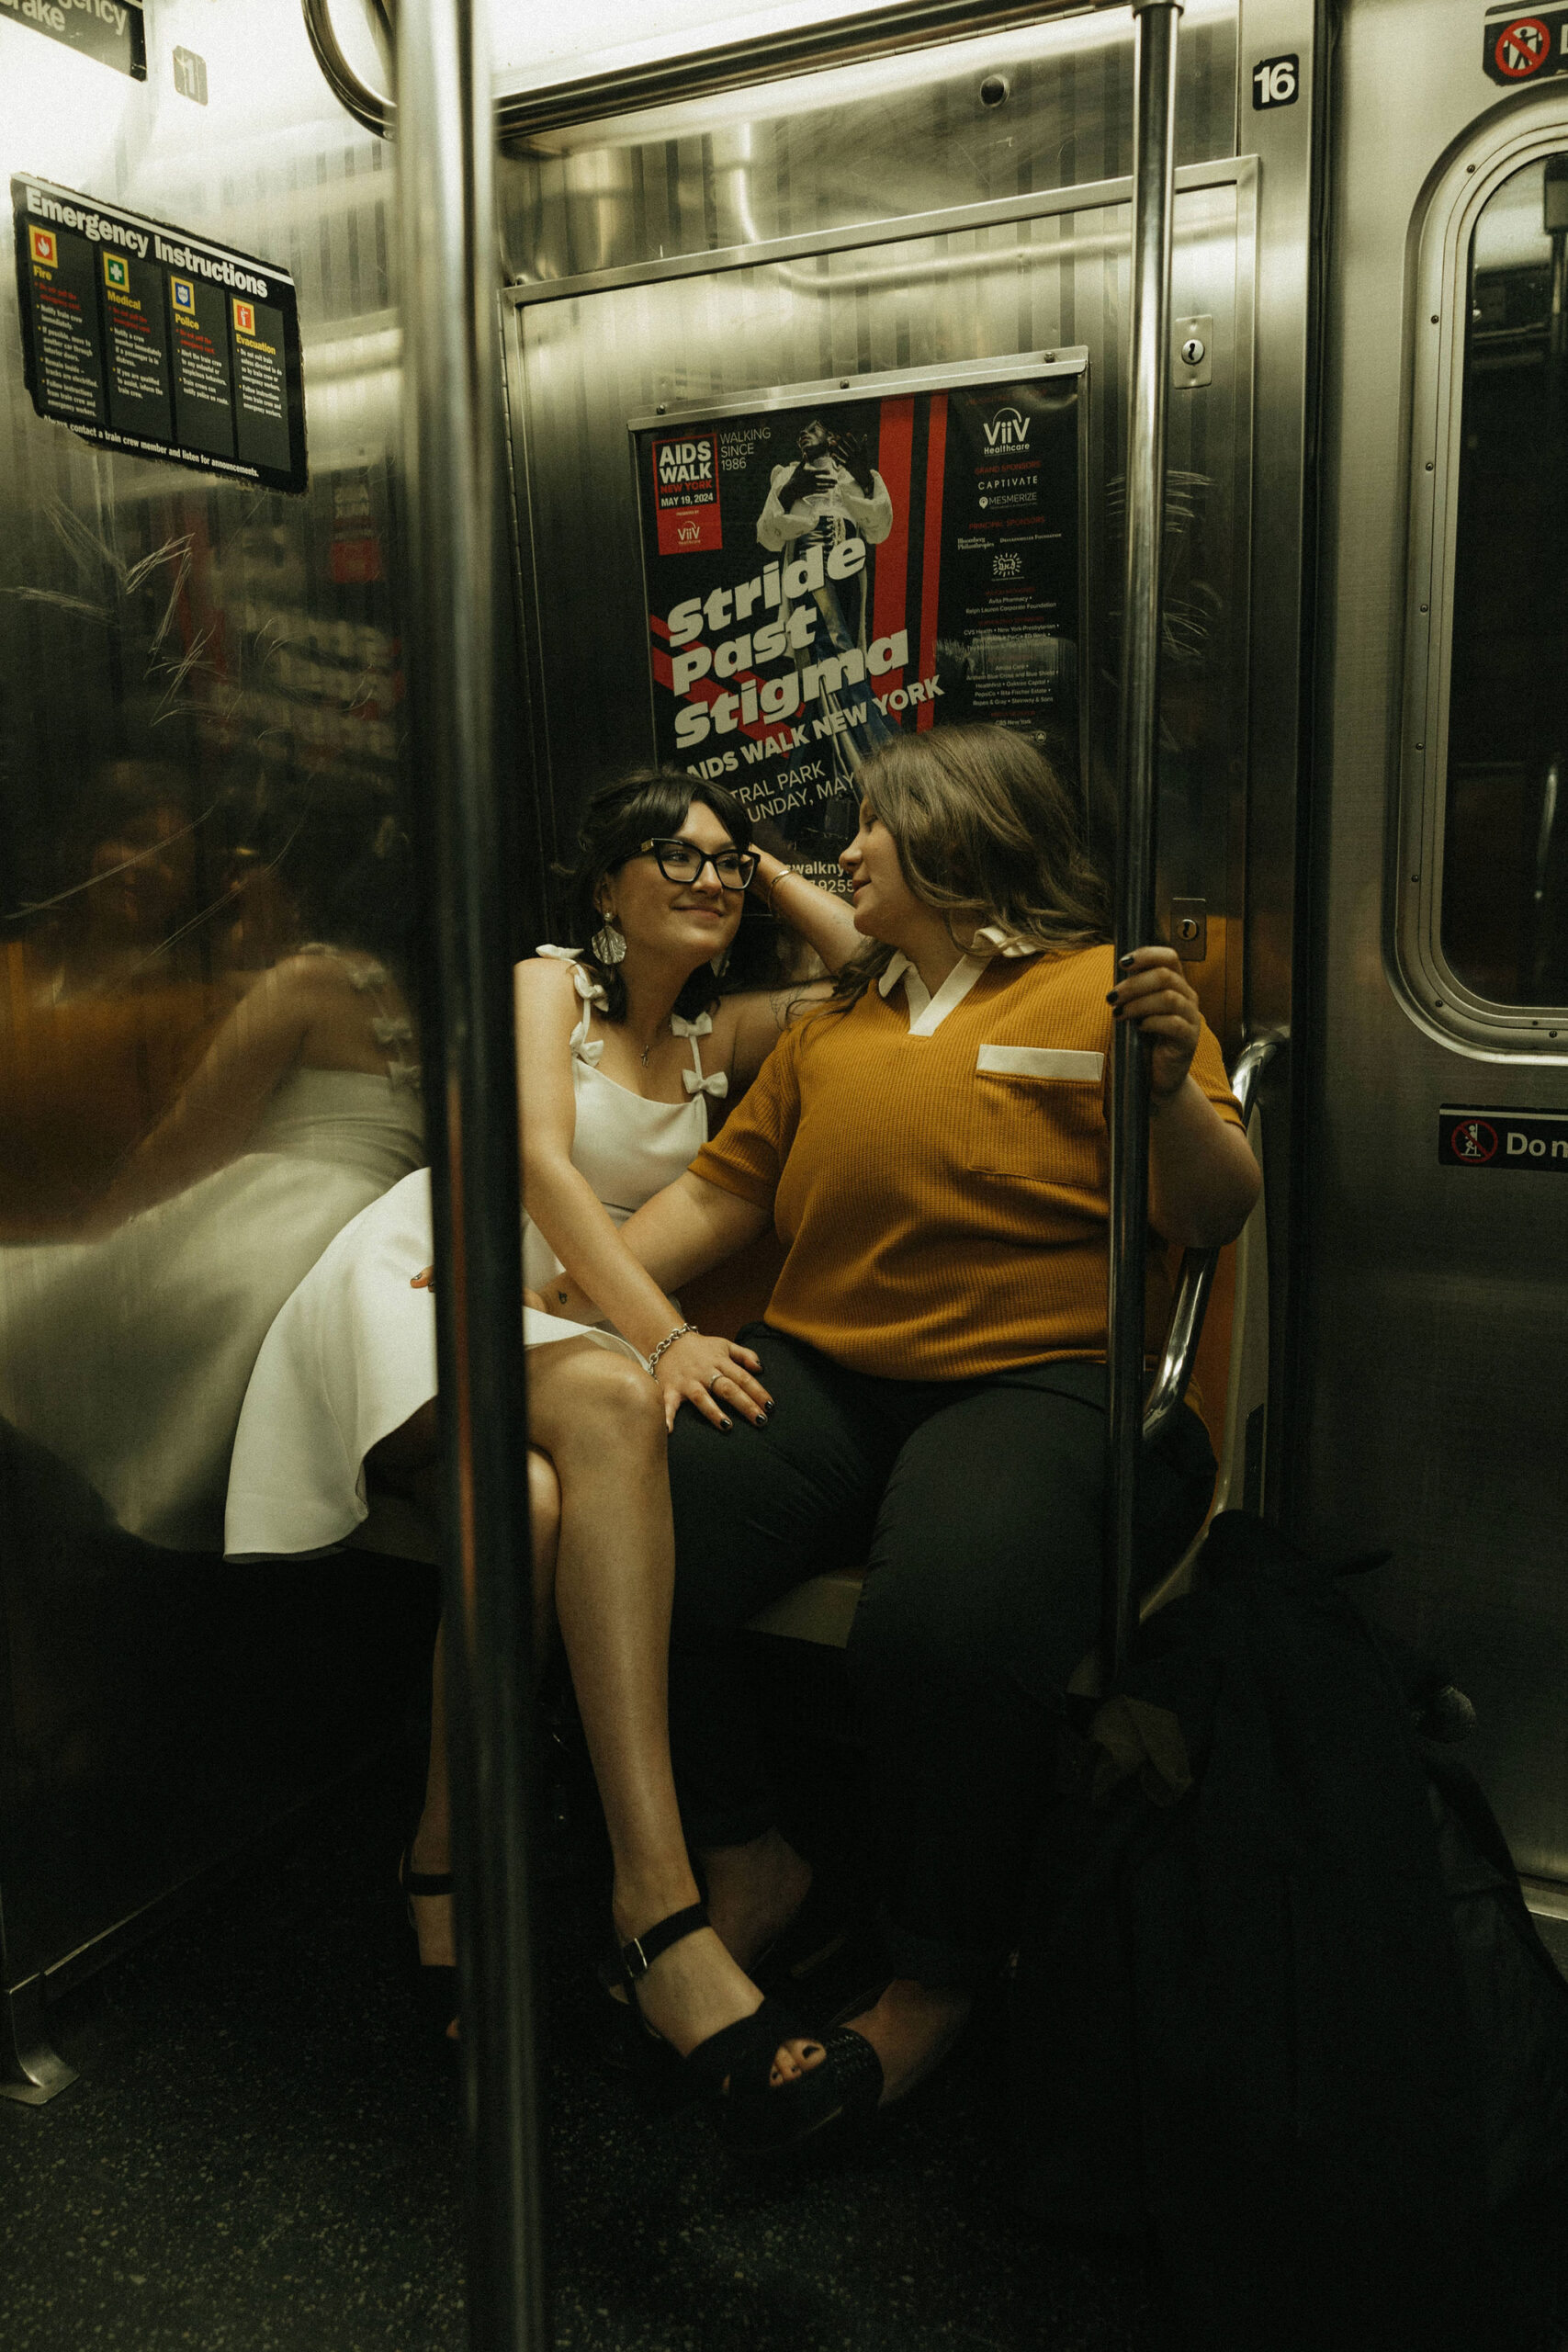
[
  {"x": 986, "y": 832},
  {"x": 618, "y": 818}
]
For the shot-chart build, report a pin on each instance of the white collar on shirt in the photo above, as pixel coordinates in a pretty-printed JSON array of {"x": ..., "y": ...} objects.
[{"x": 927, "y": 1012}]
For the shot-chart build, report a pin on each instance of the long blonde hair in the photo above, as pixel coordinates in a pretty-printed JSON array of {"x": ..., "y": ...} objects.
[{"x": 985, "y": 830}]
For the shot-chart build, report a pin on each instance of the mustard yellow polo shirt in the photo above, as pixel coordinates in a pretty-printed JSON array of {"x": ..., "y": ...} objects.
[{"x": 939, "y": 1169}]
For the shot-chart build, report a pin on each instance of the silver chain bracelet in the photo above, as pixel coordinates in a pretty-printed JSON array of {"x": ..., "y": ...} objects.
[{"x": 668, "y": 1341}]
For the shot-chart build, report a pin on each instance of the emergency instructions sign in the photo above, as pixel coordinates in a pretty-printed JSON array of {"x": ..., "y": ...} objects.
[
  {"x": 110, "y": 30},
  {"x": 153, "y": 341}
]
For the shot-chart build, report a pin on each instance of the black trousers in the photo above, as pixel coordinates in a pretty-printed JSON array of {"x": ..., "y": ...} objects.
[{"x": 978, "y": 1506}]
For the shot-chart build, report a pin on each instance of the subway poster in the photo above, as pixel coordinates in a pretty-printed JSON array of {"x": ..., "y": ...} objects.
[{"x": 820, "y": 576}]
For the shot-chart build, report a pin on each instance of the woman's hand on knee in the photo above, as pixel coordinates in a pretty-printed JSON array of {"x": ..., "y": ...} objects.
[{"x": 714, "y": 1376}]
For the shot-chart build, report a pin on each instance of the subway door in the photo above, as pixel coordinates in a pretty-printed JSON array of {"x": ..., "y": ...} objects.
[{"x": 1435, "y": 1343}]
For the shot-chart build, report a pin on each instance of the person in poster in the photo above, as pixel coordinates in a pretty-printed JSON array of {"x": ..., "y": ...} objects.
[{"x": 830, "y": 494}]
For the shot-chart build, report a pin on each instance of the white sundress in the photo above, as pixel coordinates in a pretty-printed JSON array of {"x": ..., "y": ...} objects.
[
  {"x": 128, "y": 1356},
  {"x": 352, "y": 1354}
]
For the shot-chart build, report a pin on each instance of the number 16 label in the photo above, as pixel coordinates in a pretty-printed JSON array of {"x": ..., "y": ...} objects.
[{"x": 1276, "y": 82}]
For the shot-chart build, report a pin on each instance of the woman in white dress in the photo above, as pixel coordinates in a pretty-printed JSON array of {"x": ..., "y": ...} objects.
[
  {"x": 622, "y": 1045},
  {"x": 126, "y": 1354}
]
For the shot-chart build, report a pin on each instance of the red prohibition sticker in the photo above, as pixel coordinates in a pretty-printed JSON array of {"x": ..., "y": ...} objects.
[
  {"x": 1522, "y": 47},
  {"x": 1474, "y": 1141}
]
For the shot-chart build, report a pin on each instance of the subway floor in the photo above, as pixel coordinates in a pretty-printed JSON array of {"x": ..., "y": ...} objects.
[{"x": 260, "y": 2156}]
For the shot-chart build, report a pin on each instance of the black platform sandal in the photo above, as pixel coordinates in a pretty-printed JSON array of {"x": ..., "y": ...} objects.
[
  {"x": 435, "y": 1984},
  {"x": 734, "y": 2065},
  {"x": 831, "y": 2106}
]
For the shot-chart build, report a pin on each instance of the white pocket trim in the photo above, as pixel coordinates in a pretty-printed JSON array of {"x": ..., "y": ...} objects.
[{"x": 1039, "y": 1061}]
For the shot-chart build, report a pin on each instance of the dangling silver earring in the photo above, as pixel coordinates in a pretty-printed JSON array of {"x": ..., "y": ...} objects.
[
  {"x": 720, "y": 963},
  {"x": 608, "y": 944}
]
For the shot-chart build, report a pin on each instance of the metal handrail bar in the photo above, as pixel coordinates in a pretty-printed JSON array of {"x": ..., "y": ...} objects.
[
  {"x": 446, "y": 189},
  {"x": 1154, "y": 144},
  {"x": 1196, "y": 1279},
  {"x": 710, "y": 72},
  {"x": 772, "y": 57}
]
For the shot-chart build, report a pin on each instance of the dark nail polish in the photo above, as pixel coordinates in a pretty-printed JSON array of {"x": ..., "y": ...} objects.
[
  {"x": 1109, "y": 996},
  {"x": 727, "y": 1425},
  {"x": 1125, "y": 964}
]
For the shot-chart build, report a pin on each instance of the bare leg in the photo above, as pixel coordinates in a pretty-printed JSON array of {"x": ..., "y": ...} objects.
[
  {"x": 408, "y": 1461},
  {"x": 754, "y": 1891},
  {"x": 600, "y": 1418}
]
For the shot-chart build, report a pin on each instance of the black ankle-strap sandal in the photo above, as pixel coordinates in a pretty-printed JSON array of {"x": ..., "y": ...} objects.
[
  {"x": 833, "y": 2104},
  {"x": 739, "y": 2055},
  {"x": 435, "y": 1984}
]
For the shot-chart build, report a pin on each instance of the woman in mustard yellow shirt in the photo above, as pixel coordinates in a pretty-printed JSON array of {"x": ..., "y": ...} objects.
[{"x": 932, "y": 1145}]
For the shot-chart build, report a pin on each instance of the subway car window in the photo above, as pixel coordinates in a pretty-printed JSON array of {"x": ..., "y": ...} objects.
[{"x": 1505, "y": 900}]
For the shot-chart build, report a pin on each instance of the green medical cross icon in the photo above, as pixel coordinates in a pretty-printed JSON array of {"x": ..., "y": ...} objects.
[{"x": 117, "y": 273}]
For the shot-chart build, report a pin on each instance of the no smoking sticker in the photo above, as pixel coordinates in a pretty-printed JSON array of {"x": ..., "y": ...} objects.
[{"x": 1516, "y": 48}]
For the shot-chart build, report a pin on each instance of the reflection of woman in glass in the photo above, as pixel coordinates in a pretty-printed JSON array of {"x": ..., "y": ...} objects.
[
  {"x": 831, "y": 492},
  {"x": 124, "y": 923},
  {"x": 127, "y": 1355},
  {"x": 623, "y": 1042}
]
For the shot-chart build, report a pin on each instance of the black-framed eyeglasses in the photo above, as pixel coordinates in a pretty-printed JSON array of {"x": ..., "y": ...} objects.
[{"x": 680, "y": 861}]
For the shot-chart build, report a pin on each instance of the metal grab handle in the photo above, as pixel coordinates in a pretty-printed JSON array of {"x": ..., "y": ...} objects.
[
  {"x": 369, "y": 110},
  {"x": 1196, "y": 1279},
  {"x": 1153, "y": 160}
]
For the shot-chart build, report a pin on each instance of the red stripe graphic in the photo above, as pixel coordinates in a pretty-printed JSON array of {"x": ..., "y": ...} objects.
[
  {"x": 894, "y": 448},
  {"x": 931, "y": 571},
  {"x": 710, "y": 690}
]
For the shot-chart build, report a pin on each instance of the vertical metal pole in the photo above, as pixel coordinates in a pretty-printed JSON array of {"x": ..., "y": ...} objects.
[
  {"x": 1154, "y": 154},
  {"x": 444, "y": 140}
]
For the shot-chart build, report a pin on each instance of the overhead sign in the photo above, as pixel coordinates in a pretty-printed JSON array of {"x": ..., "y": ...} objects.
[
  {"x": 1521, "y": 46},
  {"x": 149, "y": 340},
  {"x": 1493, "y": 1139},
  {"x": 109, "y": 30},
  {"x": 824, "y": 574}
]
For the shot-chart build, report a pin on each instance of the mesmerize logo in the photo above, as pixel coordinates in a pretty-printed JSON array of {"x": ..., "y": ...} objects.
[
  {"x": 685, "y": 493},
  {"x": 1008, "y": 430}
]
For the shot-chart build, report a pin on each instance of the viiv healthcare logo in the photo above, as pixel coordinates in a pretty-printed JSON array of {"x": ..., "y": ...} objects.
[
  {"x": 1008, "y": 430},
  {"x": 685, "y": 493},
  {"x": 43, "y": 248},
  {"x": 117, "y": 273}
]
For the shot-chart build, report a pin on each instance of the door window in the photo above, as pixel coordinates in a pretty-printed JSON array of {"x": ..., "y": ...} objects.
[{"x": 1504, "y": 925}]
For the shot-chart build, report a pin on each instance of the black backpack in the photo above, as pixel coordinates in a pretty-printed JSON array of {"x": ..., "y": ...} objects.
[{"x": 1279, "y": 2005}]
